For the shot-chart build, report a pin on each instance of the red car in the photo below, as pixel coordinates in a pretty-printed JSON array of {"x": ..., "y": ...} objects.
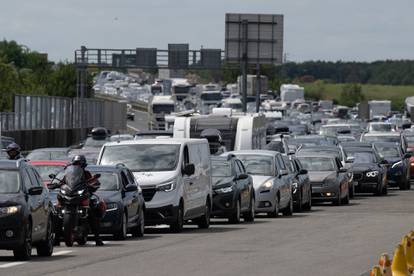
[{"x": 45, "y": 168}]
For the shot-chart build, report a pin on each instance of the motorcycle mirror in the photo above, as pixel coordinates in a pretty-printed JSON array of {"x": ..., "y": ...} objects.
[
  {"x": 52, "y": 176},
  {"x": 97, "y": 175}
]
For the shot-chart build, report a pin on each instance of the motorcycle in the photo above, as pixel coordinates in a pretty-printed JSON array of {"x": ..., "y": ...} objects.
[{"x": 75, "y": 198}]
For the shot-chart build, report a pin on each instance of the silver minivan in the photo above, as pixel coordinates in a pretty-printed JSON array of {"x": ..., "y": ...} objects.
[{"x": 174, "y": 174}]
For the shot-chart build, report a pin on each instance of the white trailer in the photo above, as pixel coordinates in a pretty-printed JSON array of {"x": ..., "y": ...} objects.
[{"x": 291, "y": 93}]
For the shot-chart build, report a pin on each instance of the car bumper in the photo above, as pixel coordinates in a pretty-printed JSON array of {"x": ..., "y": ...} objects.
[
  {"x": 111, "y": 222},
  {"x": 322, "y": 194},
  {"x": 265, "y": 201},
  {"x": 161, "y": 215},
  {"x": 14, "y": 224},
  {"x": 365, "y": 186},
  {"x": 224, "y": 204}
]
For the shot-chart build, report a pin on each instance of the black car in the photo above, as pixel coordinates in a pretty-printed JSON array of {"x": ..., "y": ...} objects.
[
  {"x": 124, "y": 200},
  {"x": 398, "y": 169},
  {"x": 369, "y": 170},
  {"x": 233, "y": 192},
  {"x": 25, "y": 211},
  {"x": 301, "y": 187}
]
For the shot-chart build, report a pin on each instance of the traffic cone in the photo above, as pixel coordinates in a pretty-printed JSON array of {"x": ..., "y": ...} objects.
[
  {"x": 375, "y": 271},
  {"x": 385, "y": 265},
  {"x": 399, "y": 264},
  {"x": 408, "y": 251}
]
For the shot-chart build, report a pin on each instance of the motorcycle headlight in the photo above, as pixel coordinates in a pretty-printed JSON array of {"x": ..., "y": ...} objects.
[
  {"x": 166, "y": 187},
  {"x": 80, "y": 192},
  {"x": 372, "y": 174},
  {"x": 224, "y": 190},
  {"x": 396, "y": 164},
  {"x": 9, "y": 210},
  {"x": 111, "y": 207},
  {"x": 63, "y": 192},
  {"x": 267, "y": 184}
]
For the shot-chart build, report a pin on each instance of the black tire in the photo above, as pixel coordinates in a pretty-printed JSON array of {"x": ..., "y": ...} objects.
[
  {"x": 288, "y": 211},
  {"x": 178, "y": 225},
  {"x": 45, "y": 247},
  {"x": 83, "y": 239},
  {"x": 298, "y": 206},
  {"x": 384, "y": 190},
  {"x": 345, "y": 201},
  {"x": 121, "y": 234},
  {"x": 203, "y": 222},
  {"x": 249, "y": 215},
  {"x": 138, "y": 231},
  {"x": 352, "y": 191},
  {"x": 68, "y": 225},
  {"x": 308, "y": 205},
  {"x": 235, "y": 217},
  {"x": 275, "y": 212},
  {"x": 24, "y": 251}
]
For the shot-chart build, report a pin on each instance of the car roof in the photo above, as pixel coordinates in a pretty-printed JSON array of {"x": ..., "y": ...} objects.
[
  {"x": 356, "y": 144},
  {"x": 253, "y": 152},
  {"x": 316, "y": 154},
  {"x": 163, "y": 141},
  {"x": 106, "y": 168},
  {"x": 363, "y": 149},
  {"x": 382, "y": 134},
  {"x": 386, "y": 144},
  {"x": 51, "y": 149},
  {"x": 326, "y": 148}
]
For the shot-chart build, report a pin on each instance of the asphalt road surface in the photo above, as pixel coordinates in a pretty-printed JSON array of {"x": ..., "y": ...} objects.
[
  {"x": 345, "y": 240},
  {"x": 140, "y": 122}
]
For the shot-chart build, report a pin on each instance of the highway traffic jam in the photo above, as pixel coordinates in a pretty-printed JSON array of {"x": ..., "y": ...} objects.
[{"x": 208, "y": 162}]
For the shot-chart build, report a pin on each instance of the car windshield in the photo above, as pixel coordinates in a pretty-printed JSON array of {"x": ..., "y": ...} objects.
[
  {"x": 47, "y": 155},
  {"x": 257, "y": 165},
  {"x": 391, "y": 139},
  {"x": 381, "y": 127},
  {"x": 109, "y": 181},
  {"x": 163, "y": 108},
  {"x": 387, "y": 151},
  {"x": 45, "y": 170},
  {"x": 143, "y": 157},
  {"x": 318, "y": 163},
  {"x": 9, "y": 182},
  {"x": 361, "y": 157},
  {"x": 95, "y": 143},
  {"x": 220, "y": 169}
]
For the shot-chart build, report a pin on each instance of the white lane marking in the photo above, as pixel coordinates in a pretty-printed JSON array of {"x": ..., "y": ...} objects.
[
  {"x": 11, "y": 264},
  {"x": 64, "y": 252},
  {"x": 133, "y": 128}
]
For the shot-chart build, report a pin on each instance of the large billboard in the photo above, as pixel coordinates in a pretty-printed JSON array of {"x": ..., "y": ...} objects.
[{"x": 260, "y": 36}]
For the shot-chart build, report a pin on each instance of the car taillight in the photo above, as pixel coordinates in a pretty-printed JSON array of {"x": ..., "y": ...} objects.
[{"x": 85, "y": 202}]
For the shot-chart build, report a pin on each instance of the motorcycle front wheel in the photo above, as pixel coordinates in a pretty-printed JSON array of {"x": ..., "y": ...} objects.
[{"x": 68, "y": 228}]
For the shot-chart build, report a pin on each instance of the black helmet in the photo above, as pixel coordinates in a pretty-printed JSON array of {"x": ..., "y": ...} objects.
[
  {"x": 79, "y": 160},
  {"x": 13, "y": 147}
]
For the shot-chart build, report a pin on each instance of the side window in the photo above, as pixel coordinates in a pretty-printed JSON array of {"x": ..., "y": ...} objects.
[
  {"x": 131, "y": 178},
  {"x": 124, "y": 179},
  {"x": 195, "y": 154},
  {"x": 241, "y": 167},
  {"x": 26, "y": 179},
  {"x": 280, "y": 164}
]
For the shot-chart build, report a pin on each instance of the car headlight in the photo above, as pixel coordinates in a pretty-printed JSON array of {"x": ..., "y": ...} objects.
[
  {"x": 111, "y": 207},
  {"x": 9, "y": 210},
  {"x": 295, "y": 187},
  {"x": 267, "y": 184},
  {"x": 396, "y": 164},
  {"x": 166, "y": 187},
  {"x": 372, "y": 174},
  {"x": 224, "y": 190}
]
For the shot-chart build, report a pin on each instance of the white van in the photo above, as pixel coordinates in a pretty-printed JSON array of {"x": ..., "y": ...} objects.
[{"x": 174, "y": 174}]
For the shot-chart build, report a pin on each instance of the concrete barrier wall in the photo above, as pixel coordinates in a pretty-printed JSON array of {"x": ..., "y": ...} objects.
[{"x": 42, "y": 138}]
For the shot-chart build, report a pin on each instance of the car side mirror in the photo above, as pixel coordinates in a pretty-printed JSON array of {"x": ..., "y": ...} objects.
[
  {"x": 283, "y": 172},
  {"x": 408, "y": 155},
  {"x": 36, "y": 190},
  {"x": 242, "y": 176},
  {"x": 98, "y": 175},
  {"x": 131, "y": 188},
  {"x": 384, "y": 162},
  {"x": 350, "y": 159},
  {"x": 52, "y": 176},
  {"x": 303, "y": 171},
  {"x": 342, "y": 170},
  {"x": 189, "y": 169}
]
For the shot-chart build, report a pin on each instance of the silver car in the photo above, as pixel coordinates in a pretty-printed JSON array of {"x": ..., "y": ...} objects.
[{"x": 271, "y": 183}]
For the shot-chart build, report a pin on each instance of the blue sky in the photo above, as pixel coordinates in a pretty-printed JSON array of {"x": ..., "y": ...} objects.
[{"x": 360, "y": 30}]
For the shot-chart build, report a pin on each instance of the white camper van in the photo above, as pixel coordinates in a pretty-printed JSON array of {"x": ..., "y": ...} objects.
[{"x": 174, "y": 174}]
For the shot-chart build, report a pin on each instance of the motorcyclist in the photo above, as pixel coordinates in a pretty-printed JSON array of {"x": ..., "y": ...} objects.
[
  {"x": 95, "y": 211},
  {"x": 13, "y": 151}
]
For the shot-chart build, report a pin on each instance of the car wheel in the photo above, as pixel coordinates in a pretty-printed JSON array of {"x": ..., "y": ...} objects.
[
  {"x": 24, "y": 251},
  {"x": 352, "y": 191},
  {"x": 308, "y": 205},
  {"x": 203, "y": 222},
  {"x": 346, "y": 199},
  {"x": 298, "y": 205},
  {"x": 177, "y": 226},
  {"x": 45, "y": 247},
  {"x": 235, "y": 217},
  {"x": 138, "y": 231},
  {"x": 380, "y": 187},
  {"x": 121, "y": 234},
  {"x": 249, "y": 216},
  {"x": 275, "y": 212},
  {"x": 288, "y": 211}
]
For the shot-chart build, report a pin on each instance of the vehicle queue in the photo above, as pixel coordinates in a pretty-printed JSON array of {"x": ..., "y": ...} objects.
[{"x": 162, "y": 178}]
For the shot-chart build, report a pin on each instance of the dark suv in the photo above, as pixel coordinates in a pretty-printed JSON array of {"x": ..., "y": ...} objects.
[{"x": 25, "y": 211}]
